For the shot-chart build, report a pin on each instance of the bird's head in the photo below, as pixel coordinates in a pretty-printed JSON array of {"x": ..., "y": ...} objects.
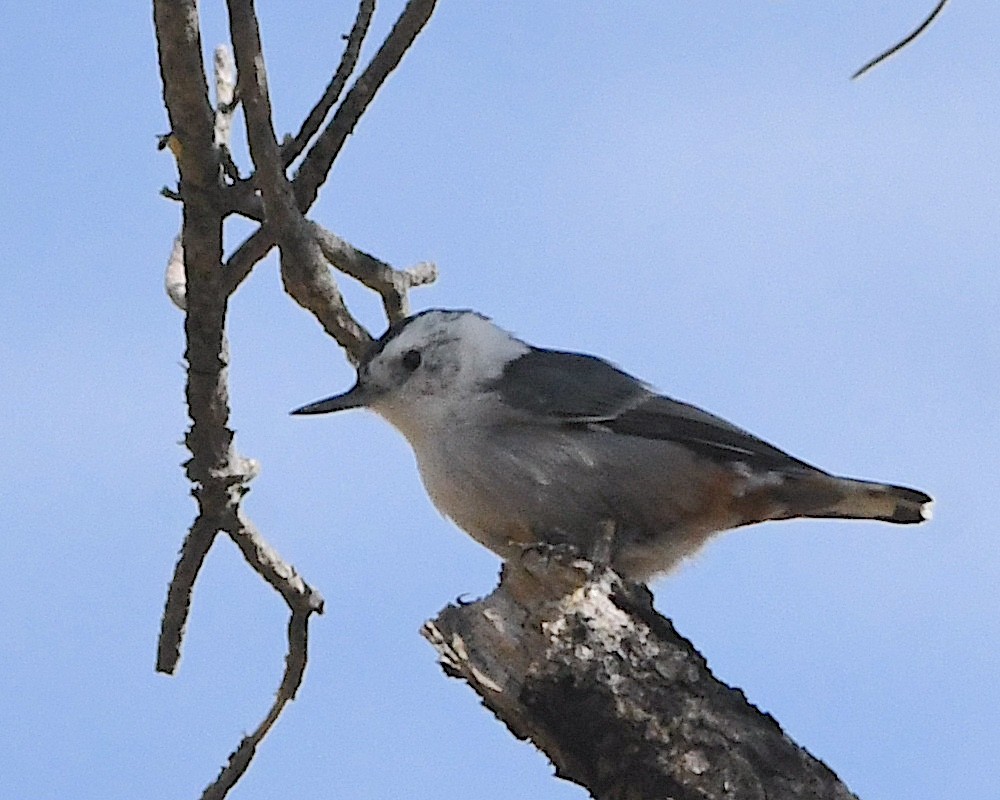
[{"x": 425, "y": 367}]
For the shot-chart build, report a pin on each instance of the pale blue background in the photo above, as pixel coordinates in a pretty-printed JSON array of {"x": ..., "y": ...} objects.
[{"x": 693, "y": 190}]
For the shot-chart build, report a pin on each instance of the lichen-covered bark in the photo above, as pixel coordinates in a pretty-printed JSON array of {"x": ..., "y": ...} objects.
[{"x": 575, "y": 659}]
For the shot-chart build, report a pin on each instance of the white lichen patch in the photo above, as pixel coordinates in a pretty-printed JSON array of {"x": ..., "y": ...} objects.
[
  {"x": 695, "y": 762},
  {"x": 607, "y": 625}
]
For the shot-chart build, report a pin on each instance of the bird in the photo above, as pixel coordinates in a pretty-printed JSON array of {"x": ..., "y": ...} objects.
[{"x": 522, "y": 446}]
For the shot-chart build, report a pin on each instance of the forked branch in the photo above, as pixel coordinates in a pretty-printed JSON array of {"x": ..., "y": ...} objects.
[
  {"x": 293, "y": 148},
  {"x": 198, "y": 282}
]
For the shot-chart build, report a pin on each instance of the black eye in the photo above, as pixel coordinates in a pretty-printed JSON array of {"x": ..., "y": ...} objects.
[{"x": 411, "y": 359}]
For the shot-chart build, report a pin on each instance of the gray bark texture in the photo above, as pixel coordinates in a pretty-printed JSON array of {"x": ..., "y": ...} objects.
[{"x": 575, "y": 659}]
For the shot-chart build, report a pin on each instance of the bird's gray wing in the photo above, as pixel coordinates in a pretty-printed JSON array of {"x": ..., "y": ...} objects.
[
  {"x": 575, "y": 389},
  {"x": 659, "y": 417},
  {"x": 567, "y": 387}
]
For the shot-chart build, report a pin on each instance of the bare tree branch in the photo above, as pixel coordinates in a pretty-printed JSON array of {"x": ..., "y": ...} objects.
[
  {"x": 308, "y": 280},
  {"x": 175, "y": 615},
  {"x": 316, "y": 291},
  {"x": 295, "y": 667},
  {"x": 573, "y": 658},
  {"x": 348, "y": 61},
  {"x": 310, "y": 286},
  {"x": 185, "y": 94},
  {"x": 251, "y": 251},
  {"x": 900, "y": 45},
  {"x": 175, "y": 279},
  {"x": 197, "y": 282},
  {"x": 319, "y": 160},
  {"x": 266, "y": 562},
  {"x": 392, "y": 284},
  {"x": 185, "y": 91},
  {"x": 269, "y": 170},
  {"x": 304, "y": 273}
]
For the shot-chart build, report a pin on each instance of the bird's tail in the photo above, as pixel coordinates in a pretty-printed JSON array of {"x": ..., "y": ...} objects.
[{"x": 881, "y": 501}]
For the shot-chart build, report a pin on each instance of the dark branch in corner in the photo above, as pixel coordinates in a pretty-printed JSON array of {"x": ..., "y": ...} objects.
[{"x": 900, "y": 45}]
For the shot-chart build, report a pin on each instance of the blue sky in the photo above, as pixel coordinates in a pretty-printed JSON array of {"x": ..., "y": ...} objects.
[{"x": 695, "y": 191}]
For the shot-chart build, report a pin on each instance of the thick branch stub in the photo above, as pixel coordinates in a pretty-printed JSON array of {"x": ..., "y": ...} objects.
[{"x": 577, "y": 660}]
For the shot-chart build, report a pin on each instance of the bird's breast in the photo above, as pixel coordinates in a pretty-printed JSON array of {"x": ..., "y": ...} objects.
[{"x": 502, "y": 488}]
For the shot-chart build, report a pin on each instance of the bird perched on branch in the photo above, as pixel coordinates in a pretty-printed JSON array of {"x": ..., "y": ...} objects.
[{"x": 521, "y": 445}]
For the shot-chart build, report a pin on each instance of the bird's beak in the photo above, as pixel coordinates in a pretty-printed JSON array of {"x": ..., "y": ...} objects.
[{"x": 355, "y": 397}]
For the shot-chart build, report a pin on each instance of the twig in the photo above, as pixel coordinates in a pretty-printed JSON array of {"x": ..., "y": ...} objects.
[
  {"x": 899, "y": 46},
  {"x": 392, "y": 284},
  {"x": 303, "y": 601},
  {"x": 303, "y": 270},
  {"x": 175, "y": 615},
  {"x": 269, "y": 171},
  {"x": 316, "y": 291},
  {"x": 319, "y": 160},
  {"x": 266, "y": 562},
  {"x": 171, "y": 194},
  {"x": 348, "y": 61},
  {"x": 307, "y": 279},
  {"x": 295, "y": 666},
  {"x": 251, "y": 251}
]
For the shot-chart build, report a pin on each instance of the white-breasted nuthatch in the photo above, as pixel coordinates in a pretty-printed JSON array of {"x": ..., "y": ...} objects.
[{"x": 521, "y": 445}]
